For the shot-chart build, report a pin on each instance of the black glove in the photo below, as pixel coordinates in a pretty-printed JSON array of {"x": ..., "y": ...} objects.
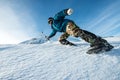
[{"x": 47, "y": 38}]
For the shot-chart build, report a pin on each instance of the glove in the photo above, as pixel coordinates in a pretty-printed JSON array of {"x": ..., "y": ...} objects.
[
  {"x": 69, "y": 11},
  {"x": 47, "y": 38}
]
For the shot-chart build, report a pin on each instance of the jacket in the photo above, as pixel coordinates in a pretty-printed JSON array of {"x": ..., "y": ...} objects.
[{"x": 59, "y": 23}]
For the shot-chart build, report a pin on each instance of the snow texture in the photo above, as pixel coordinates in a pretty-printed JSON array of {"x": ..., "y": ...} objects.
[{"x": 53, "y": 61}]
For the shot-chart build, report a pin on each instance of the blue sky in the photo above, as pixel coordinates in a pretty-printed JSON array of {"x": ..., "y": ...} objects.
[{"x": 24, "y": 19}]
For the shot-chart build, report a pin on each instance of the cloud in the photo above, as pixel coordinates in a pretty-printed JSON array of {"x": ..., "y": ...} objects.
[{"x": 14, "y": 27}]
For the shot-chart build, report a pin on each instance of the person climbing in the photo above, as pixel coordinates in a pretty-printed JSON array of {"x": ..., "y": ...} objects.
[{"x": 58, "y": 23}]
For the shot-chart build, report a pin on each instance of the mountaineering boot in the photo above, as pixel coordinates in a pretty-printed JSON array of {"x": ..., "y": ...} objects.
[
  {"x": 65, "y": 42},
  {"x": 96, "y": 49},
  {"x": 100, "y": 45}
]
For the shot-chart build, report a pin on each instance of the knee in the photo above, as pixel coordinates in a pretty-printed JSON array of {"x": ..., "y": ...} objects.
[
  {"x": 63, "y": 36},
  {"x": 60, "y": 40},
  {"x": 63, "y": 41}
]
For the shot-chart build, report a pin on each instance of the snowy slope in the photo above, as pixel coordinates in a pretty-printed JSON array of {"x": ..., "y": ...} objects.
[{"x": 52, "y": 61}]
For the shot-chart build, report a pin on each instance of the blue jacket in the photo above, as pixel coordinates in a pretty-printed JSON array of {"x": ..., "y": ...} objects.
[{"x": 59, "y": 23}]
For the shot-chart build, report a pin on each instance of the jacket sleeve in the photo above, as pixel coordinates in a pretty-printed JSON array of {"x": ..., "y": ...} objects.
[
  {"x": 61, "y": 14},
  {"x": 52, "y": 34}
]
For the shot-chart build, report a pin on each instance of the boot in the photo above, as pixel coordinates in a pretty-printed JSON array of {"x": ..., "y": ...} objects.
[
  {"x": 96, "y": 49},
  {"x": 65, "y": 42},
  {"x": 100, "y": 45}
]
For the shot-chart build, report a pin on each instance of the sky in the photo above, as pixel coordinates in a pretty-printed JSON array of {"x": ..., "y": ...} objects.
[{"x": 25, "y": 19}]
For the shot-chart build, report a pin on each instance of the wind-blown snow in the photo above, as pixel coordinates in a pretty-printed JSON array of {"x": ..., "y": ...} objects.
[
  {"x": 53, "y": 61},
  {"x": 40, "y": 40}
]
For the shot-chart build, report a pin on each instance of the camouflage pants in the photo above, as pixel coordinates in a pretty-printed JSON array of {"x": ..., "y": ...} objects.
[{"x": 73, "y": 30}]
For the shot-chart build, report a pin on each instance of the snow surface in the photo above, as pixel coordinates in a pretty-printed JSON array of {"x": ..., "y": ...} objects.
[{"x": 53, "y": 61}]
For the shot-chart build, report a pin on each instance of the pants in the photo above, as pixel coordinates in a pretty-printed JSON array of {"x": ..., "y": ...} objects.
[{"x": 73, "y": 30}]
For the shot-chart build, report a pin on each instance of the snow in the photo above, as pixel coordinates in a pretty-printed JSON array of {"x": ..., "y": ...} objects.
[
  {"x": 113, "y": 39},
  {"x": 53, "y": 61},
  {"x": 40, "y": 40}
]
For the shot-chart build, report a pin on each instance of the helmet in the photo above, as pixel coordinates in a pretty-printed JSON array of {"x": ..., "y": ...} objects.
[{"x": 50, "y": 20}]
